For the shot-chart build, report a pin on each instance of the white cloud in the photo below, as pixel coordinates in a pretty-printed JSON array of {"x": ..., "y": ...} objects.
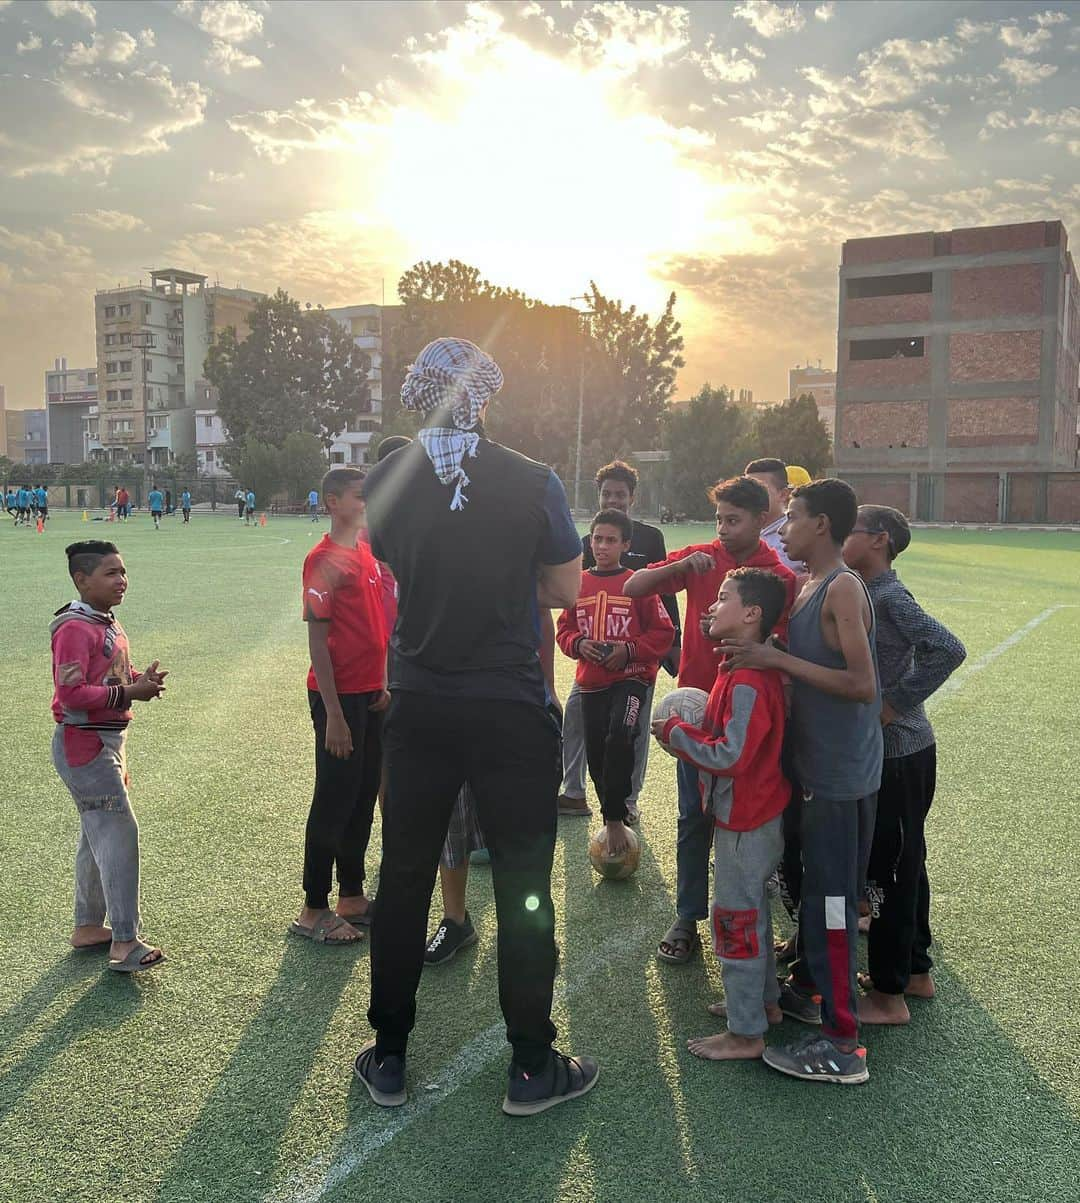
[
  {"x": 997, "y": 120},
  {"x": 225, "y": 20},
  {"x": 73, "y": 8},
  {"x": 224, "y": 177},
  {"x": 1050, "y": 17},
  {"x": 826, "y": 11},
  {"x": 728, "y": 67},
  {"x": 85, "y": 121},
  {"x": 1024, "y": 43},
  {"x": 33, "y": 42},
  {"x": 200, "y": 208},
  {"x": 147, "y": 39},
  {"x": 1026, "y": 74},
  {"x": 111, "y": 220},
  {"x": 114, "y": 46},
  {"x": 771, "y": 20},
  {"x": 971, "y": 31},
  {"x": 895, "y": 71},
  {"x": 625, "y": 37},
  {"x": 227, "y": 58},
  {"x": 1067, "y": 119},
  {"x": 768, "y": 121}
]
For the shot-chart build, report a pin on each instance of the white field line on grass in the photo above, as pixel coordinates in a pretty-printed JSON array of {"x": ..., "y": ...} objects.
[
  {"x": 323, "y": 1173},
  {"x": 381, "y": 1127},
  {"x": 957, "y": 682}
]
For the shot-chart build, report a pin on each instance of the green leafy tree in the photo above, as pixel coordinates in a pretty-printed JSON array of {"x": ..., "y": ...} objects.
[
  {"x": 793, "y": 432},
  {"x": 303, "y": 463},
  {"x": 257, "y": 466},
  {"x": 706, "y": 438},
  {"x": 298, "y": 369}
]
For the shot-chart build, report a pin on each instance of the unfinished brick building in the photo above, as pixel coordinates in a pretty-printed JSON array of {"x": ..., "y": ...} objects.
[{"x": 957, "y": 373}]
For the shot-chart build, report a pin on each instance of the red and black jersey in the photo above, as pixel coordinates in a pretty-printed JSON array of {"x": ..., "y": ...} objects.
[
  {"x": 604, "y": 613},
  {"x": 342, "y": 588}
]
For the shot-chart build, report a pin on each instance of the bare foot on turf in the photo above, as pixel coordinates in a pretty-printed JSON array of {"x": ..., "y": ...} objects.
[
  {"x": 785, "y": 949},
  {"x": 90, "y": 935},
  {"x": 727, "y": 1047},
  {"x": 920, "y": 985},
  {"x": 876, "y": 1007},
  {"x": 772, "y": 1011}
]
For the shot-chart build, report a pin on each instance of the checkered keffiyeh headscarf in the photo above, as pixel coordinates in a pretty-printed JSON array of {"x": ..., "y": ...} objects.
[{"x": 452, "y": 374}]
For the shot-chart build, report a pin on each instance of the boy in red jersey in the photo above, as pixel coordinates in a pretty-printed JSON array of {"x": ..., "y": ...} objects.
[
  {"x": 95, "y": 686},
  {"x": 347, "y": 638},
  {"x": 618, "y": 643},
  {"x": 736, "y": 756},
  {"x": 742, "y": 506}
]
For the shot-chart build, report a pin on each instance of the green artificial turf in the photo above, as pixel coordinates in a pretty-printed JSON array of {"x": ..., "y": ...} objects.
[{"x": 225, "y": 1077}]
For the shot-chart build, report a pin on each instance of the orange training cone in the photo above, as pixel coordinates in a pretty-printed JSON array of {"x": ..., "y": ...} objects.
[
  {"x": 40, "y": 526},
  {"x": 262, "y": 519}
]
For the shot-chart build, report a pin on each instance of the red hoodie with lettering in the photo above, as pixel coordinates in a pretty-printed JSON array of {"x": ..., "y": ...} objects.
[{"x": 604, "y": 613}]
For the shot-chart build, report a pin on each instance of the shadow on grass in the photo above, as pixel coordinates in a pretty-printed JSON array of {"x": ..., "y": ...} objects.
[
  {"x": 71, "y": 970},
  {"x": 236, "y": 1136},
  {"x": 107, "y": 1004}
]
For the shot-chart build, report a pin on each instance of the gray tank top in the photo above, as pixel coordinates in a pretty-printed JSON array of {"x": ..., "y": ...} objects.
[{"x": 836, "y": 744}]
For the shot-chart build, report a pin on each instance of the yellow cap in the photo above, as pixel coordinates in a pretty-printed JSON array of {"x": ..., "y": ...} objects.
[{"x": 797, "y": 475}]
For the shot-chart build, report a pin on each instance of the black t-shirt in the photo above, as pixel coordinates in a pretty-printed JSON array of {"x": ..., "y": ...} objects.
[
  {"x": 468, "y": 619},
  {"x": 646, "y": 547}
]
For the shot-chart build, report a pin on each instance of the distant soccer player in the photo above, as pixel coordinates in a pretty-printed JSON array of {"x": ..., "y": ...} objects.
[
  {"x": 313, "y": 504},
  {"x": 11, "y": 504},
  {"x": 23, "y": 506},
  {"x": 240, "y": 497},
  {"x": 741, "y": 507},
  {"x": 836, "y": 750},
  {"x": 249, "y": 508},
  {"x": 42, "y": 495},
  {"x": 185, "y": 505},
  {"x": 347, "y": 640},
  {"x": 94, "y": 688},
  {"x": 616, "y": 484},
  {"x": 618, "y": 643},
  {"x": 155, "y": 500},
  {"x": 916, "y": 654}
]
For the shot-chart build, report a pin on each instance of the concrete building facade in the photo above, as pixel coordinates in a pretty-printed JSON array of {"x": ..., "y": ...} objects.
[
  {"x": 70, "y": 396},
  {"x": 369, "y": 326},
  {"x": 958, "y": 362},
  {"x": 152, "y": 342},
  {"x": 27, "y": 437}
]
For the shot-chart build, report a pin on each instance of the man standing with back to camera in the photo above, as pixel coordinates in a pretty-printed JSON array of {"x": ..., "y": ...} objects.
[{"x": 479, "y": 538}]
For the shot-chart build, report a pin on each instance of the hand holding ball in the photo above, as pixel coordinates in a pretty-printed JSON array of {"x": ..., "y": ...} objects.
[{"x": 687, "y": 704}]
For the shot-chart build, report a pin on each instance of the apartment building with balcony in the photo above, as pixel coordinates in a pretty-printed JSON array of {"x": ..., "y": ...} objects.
[
  {"x": 370, "y": 327},
  {"x": 819, "y": 383},
  {"x": 70, "y": 396},
  {"x": 957, "y": 373},
  {"x": 152, "y": 343},
  {"x": 26, "y": 435}
]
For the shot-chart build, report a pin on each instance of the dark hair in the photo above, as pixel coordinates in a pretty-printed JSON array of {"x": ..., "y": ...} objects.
[
  {"x": 618, "y": 470},
  {"x": 87, "y": 554},
  {"x": 743, "y": 492},
  {"x": 337, "y": 480},
  {"x": 392, "y": 443},
  {"x": 614, "y": 518},
  {"x": 835, "y": 499},
  {"x": 770, "y": 466},
  {"x": 759, "y": 587},
  {"x": 884, "y": 520}
]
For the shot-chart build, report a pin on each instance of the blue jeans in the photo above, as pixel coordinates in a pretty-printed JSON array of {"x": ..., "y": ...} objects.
[{"x": 694, "y": 844}]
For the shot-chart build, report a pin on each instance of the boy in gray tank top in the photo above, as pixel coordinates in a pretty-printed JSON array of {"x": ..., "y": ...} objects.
[{"x": 836, "y": 746}]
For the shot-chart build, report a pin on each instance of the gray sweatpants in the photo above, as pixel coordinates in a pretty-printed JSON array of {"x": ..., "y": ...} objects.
[
  {"x": 107, "y": 858},
  {"x": 742, "y": 922},
  {"x": 573, "y": 735}
]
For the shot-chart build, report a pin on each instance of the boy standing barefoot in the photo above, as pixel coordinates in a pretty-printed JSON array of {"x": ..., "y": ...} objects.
[
  {"x": 736, "y": 755},
  {"x": 95, "y": 686}
]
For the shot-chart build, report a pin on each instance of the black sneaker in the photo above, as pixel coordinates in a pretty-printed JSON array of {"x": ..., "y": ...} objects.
[
  {"x": 564, "y": 1078},
  {"x": 817, "y": 1059},
  {"x": 449, "y": 939},
  {"x": 806, "y": 1008},
  {"x": 575, "y": 807},
  {"x": 384, "y": 1079}
]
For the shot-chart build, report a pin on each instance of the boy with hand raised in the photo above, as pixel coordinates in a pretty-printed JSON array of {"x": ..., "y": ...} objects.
[
  {"x": 916, "y": 655},
  {"x": 742, "y": 505},
  {"x": 836, "y": 752},
  {"x": 347, "y": 639}
]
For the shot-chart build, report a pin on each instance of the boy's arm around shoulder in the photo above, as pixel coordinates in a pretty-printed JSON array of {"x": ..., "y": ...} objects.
[{"x": 746, "y": 720}]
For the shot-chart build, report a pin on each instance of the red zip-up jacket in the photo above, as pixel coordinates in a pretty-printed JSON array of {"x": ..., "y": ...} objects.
[
  {"x": 604, "y": 613},
  {"x": 698, "y": 665},
  {"x": 737, "y": 749}
]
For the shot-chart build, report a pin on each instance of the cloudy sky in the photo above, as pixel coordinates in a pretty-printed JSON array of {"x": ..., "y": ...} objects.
[{"x": 724, "y": 150}]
